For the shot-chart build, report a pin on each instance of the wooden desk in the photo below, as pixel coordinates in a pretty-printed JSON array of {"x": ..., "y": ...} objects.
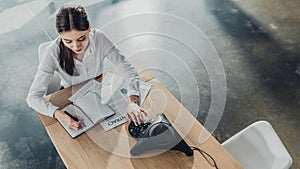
[{"x": 99, "y": 149}]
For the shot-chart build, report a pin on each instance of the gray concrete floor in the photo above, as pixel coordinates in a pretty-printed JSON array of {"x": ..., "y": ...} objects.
[{"x": 256, "y": 41}]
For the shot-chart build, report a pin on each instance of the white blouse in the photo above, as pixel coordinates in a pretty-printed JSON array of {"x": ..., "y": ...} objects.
[{"x": 91, "y": 66}]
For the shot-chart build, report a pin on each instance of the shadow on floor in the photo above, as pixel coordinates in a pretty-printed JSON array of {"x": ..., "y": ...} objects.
[{"x": 273, "y": 72}]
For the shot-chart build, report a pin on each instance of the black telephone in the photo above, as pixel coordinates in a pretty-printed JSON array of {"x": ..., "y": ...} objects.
[{"x": 157, "y": 134}]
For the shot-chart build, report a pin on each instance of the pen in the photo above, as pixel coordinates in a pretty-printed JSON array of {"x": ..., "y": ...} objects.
[{"x": 72, "y": 117}]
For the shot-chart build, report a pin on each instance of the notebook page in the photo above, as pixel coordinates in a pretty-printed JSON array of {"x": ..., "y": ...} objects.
[
  {"x": 91, "y": 104},
  {"x": 87, "y": 123}
]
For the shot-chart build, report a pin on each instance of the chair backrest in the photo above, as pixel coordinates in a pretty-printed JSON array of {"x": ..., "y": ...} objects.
[
  {"x": 54, "y": 84},
  {"x": 42, "y": 49},
  {"x": 258, "y": 146}
]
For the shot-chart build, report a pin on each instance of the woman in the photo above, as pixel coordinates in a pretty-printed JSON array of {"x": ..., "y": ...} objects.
[{"x": 77, "y": 55}]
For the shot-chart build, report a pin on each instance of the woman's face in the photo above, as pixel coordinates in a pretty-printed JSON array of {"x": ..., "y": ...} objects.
[{"x": 76, "y": 40}]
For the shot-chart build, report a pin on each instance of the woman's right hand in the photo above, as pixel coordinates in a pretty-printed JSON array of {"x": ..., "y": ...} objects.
[{"x": 68, "y": 121}]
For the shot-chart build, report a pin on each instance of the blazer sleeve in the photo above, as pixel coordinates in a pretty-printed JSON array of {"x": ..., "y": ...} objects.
[
  {"x": 122, "y": 65},
  {"x": 35, "y": 98}
]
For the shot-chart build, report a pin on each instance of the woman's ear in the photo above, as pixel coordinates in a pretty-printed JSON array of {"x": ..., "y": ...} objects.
[{"x": 90, "y": 28}]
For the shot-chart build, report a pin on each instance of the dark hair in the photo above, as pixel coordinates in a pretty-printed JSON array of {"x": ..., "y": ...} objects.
[{"x": 69, "y": 18}]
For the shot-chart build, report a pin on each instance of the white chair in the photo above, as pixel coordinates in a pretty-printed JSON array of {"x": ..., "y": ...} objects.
[
  {"x": 54, "y": 84},
  {"x": 258, "y": 147}
]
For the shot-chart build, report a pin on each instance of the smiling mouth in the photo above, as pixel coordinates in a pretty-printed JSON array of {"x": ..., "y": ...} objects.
[{"x": 78, "y": 50}]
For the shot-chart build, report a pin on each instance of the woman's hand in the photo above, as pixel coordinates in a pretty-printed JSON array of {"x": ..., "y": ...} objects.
[
  {"x": 72, "y": 124},
  {"x": 134, "y": 112}
]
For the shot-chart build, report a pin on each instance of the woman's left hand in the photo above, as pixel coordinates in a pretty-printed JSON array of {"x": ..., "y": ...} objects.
[{"x": 134, "y": 112}]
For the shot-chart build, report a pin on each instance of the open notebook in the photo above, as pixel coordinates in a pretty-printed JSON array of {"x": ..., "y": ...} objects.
[
  {"x": 87, "y": 104},
  {"x": 102, "y": 102}
]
